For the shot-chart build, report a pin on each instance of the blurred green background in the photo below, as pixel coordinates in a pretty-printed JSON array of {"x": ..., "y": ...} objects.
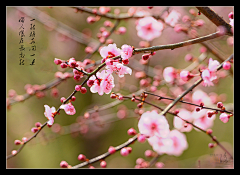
[{"x": 49, "y": 148}]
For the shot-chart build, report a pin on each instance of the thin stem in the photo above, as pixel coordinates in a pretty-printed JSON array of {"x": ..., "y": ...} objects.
[
  {"x": 180, "y": 44},
  {"x": 172, "y": 113},
  {"x": 103, "y": 156},
  {"x": 190, "y": 89},
  {"x": 203, "y": 107}
]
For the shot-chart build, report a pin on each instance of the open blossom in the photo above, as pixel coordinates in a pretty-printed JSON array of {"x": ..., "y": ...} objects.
[
  {"x": 169, "y": 74},
  {"x": 151, "y": 123},
  {"x": 49, "y": 114},
  {"x": 202, "y": 120},
  {"x": 224, "y": 117},
  {"x": 149, "y": 28},
  {"x": 68, "y": 108},
  {"x": 110, "y": 51},
  {"x": 174, "y": 144},
  {"x": 209, "y": 74},
  {"x": 172, "y": 18},
  {"x": 103, "y": 83},
  {"x": 199, "y": 96},
  {"x": 119, "y": 68},
  {"x": 181, "y": 125},
  {"x": 126, "y": 51}
]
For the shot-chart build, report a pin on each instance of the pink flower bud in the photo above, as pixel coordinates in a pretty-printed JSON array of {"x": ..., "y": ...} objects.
[
  {"x": 88, "y": 50},
  {"x": 209, "y": 131},
  {"x": 72, "y": 63},
  {"x": 17, "y": 142},
  {"x": 227, "y": 65},
  {"x": 108, "y": 23},
  {"x": 24, "y": 139},
  {"x": 34, "y": 130},
  {"x": 224, "y": 117},
  {"x": 90, "y": 83},
  {"x": 63, "y": 65},
  {"x": 230, "y": 15},
  {"x": 91, "y": 19},
  {"x": 210, "y": 114},
  {"x": 103, "y": 164},
  {"x": 185, "y": 75},
  {"x": 63, "y": 164},
  {"x": 188, "y": 57},
  {"x": 219, "y": 105},
  {"x": 210, "y": 145},
  {"x": 148, "y": 153},
  {"x": 111, "y": 150},
  {"x": 78, "y": 87},
  {"x": 57, "y": 61},
  {"x": 81, "y": 157},
  {"x": 83, "y": 90},
  {"x": 131, "y": 131},
  {"x": 146, "y": 56},
  {"x": 141, "y": 138},
  {"x": 63, "y": 99},
  {"x": 73, "y": 98},
  {"x": 14, "y": 152},
  {"x": 38, "y": 124},
  {"x": 122, "y": 30},
  {"x": 159, "y": 165},
  {"x": 124, "y": 151}
]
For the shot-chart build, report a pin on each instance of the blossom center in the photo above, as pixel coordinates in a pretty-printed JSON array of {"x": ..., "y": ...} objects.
[
  {"x": 110, "y": 55},
  {"x": 149, "y": 27},
  {"x": 153, "y": 126}
]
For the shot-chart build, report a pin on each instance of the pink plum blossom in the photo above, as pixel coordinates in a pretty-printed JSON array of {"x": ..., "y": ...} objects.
[
  {"x": 172, "y": 18},
  {"x": 181, "y": 125},
  {"x": 174, "y": 144},
  {"x": 169, "y": 74},
  {"x": 68, "y": 108},
  {"x": 149, "y": 28},
  {"x": 202, "y": 120},
  {"x": 209, "y": 74},
  {"x": 110, "y": 51},
  {"x": 103, "y": 83},
  {"x": 119, "y": 68},
  {"x": 199, "y": 96},
  {"x": 224, "y": 117},
  {"x": 49, "y": 114},
  {"x": 151, "y": 123},
  {"x": 126, "y": 51},
  {"x": 186, "y": 75}
]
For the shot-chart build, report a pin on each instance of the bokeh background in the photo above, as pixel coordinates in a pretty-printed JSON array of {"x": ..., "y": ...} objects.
[{"x": 53, "y": 145}]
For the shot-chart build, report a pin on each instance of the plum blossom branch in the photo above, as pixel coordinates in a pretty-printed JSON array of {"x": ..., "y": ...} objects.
[
  {"x": 107, "y": 15},
  {"x": 178, "y": 45},
  {"x": 208, "y": 132},
  {"x": 190, "y": 89},
  {"x": 103, "y": 156},
  {"x": 203, "y": 107}
]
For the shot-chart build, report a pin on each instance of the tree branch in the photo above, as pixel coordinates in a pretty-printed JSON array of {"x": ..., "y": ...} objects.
[
  {"x": 215, "y": 18},
  {"x": 177, "y": 45}
]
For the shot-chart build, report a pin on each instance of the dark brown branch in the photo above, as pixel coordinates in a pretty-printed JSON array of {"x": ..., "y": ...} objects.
[{"x": 215, "y": 18}]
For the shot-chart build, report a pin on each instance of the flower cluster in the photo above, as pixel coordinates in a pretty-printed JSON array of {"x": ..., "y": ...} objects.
[
  {"x": 156, "y": 128},
  {"x": 103, "y": 82},
  {"x": 209, "y": 74}
]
